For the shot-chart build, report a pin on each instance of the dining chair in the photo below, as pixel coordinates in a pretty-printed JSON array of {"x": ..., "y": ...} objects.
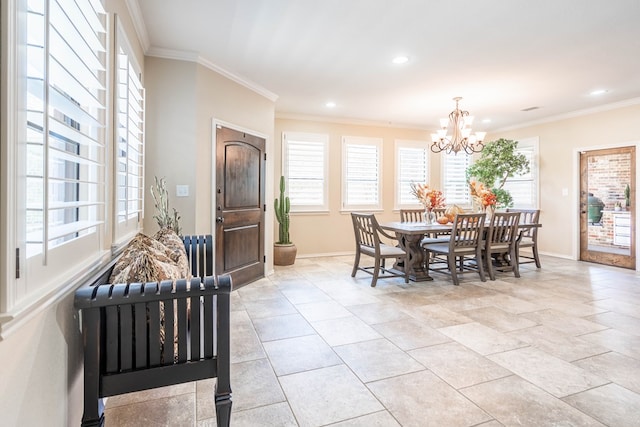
[
  {"x": 367, "y": 233},
  {"x": 500, "y": 240},
  {"x": 465, "y": 241},
  {"x": 411, "y": 215},
  {"x": 528, "y": 236}
]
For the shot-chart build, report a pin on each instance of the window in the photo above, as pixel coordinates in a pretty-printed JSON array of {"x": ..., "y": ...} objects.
[
  {"x": 305, "y": 167},
  {"x": 412, "y": 160},
  {"x": 454, "y": 179},
  {"x": 524, "y": 188},
  {"x": 129, "y": 144},
  {"x": 361, "y": 173},
  {"x": 58, "y": 120}
]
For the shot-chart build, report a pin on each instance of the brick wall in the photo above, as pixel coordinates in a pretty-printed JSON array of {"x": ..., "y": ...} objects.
[{"x": 608, "y": 177}]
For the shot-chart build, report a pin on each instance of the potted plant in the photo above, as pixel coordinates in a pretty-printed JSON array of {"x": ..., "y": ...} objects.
[
  {"x": 498, "y": 162},
  {"x": 627, "y": 196},
  {"x": 284, "y": 252}
]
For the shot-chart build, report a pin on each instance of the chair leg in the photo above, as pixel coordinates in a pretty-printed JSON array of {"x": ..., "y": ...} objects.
[
  {"x": 513, "y": 258},
  {"x": 356, "y": 263},
  {"x": 536, "y": 257},
  {"x": 451, "y": 260},
  {"x": 492, "y": 274},
  {"x": 376, "y": 272},
  {"x": 406, "y": 268},
  {"x": 480, "y": 266}
]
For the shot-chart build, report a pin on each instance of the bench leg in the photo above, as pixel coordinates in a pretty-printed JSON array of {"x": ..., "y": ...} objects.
[
  {"x": 223, "y": 409},
  {"x": 93, "y": 414}
]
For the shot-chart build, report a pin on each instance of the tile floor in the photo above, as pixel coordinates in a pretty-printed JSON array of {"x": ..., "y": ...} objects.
[{"x": 313, "y": 347}]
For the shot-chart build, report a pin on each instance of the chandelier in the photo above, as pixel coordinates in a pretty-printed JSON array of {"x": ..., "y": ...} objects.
[{"x": 461, "y": 138}]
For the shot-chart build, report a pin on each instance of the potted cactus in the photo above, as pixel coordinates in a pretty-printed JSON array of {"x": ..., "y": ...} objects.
[{"x": 284, "y": 252}]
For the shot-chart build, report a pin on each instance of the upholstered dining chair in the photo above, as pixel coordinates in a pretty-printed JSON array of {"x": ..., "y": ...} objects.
[
  {"x": 465, "y": 241},
  {"x": 500, "y": 239},
  {"x": 528, "y": 236},
  {"x": 367, "y": 233}
]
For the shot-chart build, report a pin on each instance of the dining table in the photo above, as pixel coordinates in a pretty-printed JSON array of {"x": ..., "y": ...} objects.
[{"x": 410, "y": 235}]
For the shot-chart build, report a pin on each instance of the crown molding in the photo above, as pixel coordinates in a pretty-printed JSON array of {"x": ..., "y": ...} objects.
[
  {"x": 238, "y": 79},
  {"x": 579, "y": 113},
  {"x": 138, "y": 23},
  {"x": 190, "y": 56}
]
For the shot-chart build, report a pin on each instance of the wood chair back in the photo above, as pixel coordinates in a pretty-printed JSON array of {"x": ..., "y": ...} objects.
[
  {"x": 528, "y": 237},
  {"x": 501, "y": 239},
  {"x": 368, "y": 242},
  {"x": 415, "y": 215}
]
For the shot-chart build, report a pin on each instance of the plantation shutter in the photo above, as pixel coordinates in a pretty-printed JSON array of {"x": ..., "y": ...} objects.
[
  {"x": 305, "y": 170},
  {"x": 129, "y": 144},
  {"x": 411, "y": 167},
  {"x": 454, "y": 179},
  {"x": 362, "y": 173},
  {"x": 523, "y": 188}
]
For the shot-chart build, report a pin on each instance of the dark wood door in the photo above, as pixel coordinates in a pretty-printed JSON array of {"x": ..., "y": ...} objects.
[
  {"x": 607, "y": 232},
  {"x": 240, "y": 207}
]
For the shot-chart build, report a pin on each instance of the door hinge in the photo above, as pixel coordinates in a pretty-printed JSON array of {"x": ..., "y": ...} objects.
[
  {"x": 264, "y": 258},
  {"x": 265, "y": 157},
  {"x": 264, "y": 207},
  {"x": 17, "y": 263}
]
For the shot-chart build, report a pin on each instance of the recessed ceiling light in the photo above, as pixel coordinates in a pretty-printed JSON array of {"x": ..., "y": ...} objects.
[
  {"x": 598, "y": 92},
  {"x": 486, "y": 121},
  {"x": 400, "y": 59},
  {"x": 330, "y": 104}
]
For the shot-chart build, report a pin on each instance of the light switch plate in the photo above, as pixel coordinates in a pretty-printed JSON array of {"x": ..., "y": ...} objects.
[{"x": 182, "y": 191}]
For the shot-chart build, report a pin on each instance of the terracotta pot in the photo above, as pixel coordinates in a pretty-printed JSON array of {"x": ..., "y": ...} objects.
[{"x": 284, "y": 254}]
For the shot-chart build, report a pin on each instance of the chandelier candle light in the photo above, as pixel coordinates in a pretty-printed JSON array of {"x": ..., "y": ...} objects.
[{"x": 461, "y": 138}]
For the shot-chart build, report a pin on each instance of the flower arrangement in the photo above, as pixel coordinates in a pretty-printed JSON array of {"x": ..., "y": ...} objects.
[
  {"x": 429, "y": 198},
  {"x": 482, "y": 195}
]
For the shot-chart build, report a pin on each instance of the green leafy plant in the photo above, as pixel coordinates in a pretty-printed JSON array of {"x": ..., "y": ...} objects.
[
  {"x": 282, "y": 207},
  {"x": 160, "y": 196},
  {"x": 627, "y": 196},
  {"x": 498, "y": 162}
]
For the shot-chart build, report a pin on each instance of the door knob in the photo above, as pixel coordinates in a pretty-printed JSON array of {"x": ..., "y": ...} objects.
[{"x": 219, "y": 220}]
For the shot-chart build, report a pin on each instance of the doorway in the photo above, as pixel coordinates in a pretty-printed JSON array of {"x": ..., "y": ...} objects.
[
  {"x": 240, "y": 205},
  {"x": 607, "y": 213}
]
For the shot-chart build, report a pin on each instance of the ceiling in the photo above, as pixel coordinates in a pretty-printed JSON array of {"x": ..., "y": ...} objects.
[{"x": 502, "y": 57}]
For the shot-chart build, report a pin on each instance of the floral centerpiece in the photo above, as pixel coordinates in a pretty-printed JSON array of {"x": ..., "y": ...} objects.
[
  {"x": 482, "y": 196},
  {"x": 429, "y": 198}
]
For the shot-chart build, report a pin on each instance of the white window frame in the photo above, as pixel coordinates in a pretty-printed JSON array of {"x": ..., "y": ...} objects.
[
  {"x": 319, "y": 144},
  {"x": 68, "y": 265},
  {"x": 446, "y": 180},
  {"x": 530, "y": 145},
  {"x": 128, "y": 142},
  {"x": 402, "y": 180},
  {"x": 371, "y": 143}
]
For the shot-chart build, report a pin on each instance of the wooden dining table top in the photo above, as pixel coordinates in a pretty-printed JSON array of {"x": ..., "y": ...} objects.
[{"x": 415, "y": 227}]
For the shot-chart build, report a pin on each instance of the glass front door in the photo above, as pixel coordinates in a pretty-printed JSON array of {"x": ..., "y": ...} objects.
[{"x": 607, "y": 214}]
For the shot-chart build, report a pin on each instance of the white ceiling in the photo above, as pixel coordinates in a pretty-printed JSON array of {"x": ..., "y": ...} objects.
[{"x": 501, "y": 56}]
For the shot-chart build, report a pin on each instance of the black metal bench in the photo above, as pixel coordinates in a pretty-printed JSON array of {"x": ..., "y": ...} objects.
[{"x": 121, "y": 325}]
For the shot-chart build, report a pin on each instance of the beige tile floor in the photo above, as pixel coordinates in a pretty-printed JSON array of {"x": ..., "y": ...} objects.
[{"x": 313, "y": 347}]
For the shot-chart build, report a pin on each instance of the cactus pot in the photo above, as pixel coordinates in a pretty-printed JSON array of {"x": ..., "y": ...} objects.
[{"x": 284, "y": 254}]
